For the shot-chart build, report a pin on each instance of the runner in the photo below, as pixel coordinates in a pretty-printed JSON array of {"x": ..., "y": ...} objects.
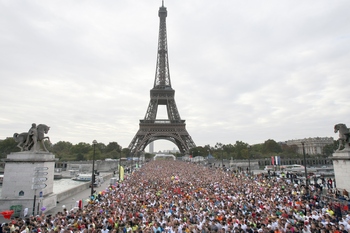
[{"x": 173, "y": 196}]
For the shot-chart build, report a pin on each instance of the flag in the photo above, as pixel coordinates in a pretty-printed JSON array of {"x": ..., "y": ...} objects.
[
  {"x": 272, "y": 160},
  {"x": 277, "y": 160},
  {"x": 121, "y": 175}
]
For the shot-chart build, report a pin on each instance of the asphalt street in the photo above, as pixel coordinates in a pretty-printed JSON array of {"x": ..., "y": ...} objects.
[{"x": 70, "y": 202}]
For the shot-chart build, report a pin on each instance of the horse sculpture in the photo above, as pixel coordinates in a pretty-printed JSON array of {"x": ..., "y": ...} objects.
[
  {"x": 28, "y": 141},
  {"x": 344, "y": 135}
]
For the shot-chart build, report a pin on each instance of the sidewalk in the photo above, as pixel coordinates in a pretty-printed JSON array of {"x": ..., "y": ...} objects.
[{"x": 70, "y": 202}]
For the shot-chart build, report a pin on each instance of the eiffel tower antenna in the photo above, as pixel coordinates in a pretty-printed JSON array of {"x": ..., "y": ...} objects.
[{"x": 174, "y": 128}]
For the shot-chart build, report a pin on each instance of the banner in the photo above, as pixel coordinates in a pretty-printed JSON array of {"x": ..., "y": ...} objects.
[
  {"x": 277, "y": 160},
  {"x": 272, "y": 160},
  {"x": 121, "y": 174}
]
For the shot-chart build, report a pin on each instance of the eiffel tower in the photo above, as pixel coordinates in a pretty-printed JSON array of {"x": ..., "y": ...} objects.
[{"x": 174, "y": 128}]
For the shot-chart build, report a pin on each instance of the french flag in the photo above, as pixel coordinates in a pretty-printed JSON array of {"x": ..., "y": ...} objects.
[{"x": 277, "y": 160}]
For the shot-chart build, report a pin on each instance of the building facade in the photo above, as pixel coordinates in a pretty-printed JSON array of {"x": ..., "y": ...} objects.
[{"x": 313, "y": 146}]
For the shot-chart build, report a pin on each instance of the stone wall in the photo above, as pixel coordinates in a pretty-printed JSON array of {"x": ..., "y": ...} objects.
[
  {"x": 86, "y": 166},
  {"x": 341, "y": 164},
  {"x": 77, "y": 189}
]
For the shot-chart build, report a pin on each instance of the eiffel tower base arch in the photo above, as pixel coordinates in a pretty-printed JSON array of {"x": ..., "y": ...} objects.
[{"x": 162, "y": 129}]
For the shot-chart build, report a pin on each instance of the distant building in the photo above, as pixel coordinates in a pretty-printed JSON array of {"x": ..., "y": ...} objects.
[
  {"x": 151, "y": 148},
  {"x": 313, "y": 146},
  {"x": 173, "y": 151}
]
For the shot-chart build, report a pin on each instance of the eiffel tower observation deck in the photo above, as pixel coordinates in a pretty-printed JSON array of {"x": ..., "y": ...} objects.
[{"x": 174, "y": 128}]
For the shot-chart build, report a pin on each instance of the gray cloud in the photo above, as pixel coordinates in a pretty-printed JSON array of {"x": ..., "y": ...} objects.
[{"x": 247, "y": 71}]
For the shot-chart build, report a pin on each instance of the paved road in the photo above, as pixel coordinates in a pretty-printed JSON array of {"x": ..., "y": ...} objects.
[{"x": 70, "y": 202}]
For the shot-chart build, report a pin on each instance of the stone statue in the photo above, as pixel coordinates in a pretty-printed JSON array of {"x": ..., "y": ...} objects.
[
  {"x": 344, "y": 136},
  {"x": 29, "y": 141}
]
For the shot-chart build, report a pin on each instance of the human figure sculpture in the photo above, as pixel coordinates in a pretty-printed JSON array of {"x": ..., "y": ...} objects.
[
  {"x": 344, "y": 136},
  {"x": 28, "y": 141},
  {"x": 32, "y": 138}
]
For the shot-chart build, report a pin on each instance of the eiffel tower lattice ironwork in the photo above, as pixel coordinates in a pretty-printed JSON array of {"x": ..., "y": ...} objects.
[{"x": 174, "y": 128}]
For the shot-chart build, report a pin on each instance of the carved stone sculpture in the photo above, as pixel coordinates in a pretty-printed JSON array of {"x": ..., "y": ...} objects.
[
  {"x": 29, "y": 141},
  {"x": 344, "y": 136}
]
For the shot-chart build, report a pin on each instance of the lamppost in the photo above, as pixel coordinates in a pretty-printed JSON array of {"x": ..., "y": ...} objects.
[
  {"x": 222, "y": 157},
  {"x": 208, "y": 157},
  {"x": 199, "y": 159},
  {"x": 306, "y": 183},
  {"x": 219, "y": 146},
  {"x": 302, "y": 143},
  {"x": 249, "y": 158},
  {"x": 120, "y": 159},
  {"x": 94, "y": 142}
]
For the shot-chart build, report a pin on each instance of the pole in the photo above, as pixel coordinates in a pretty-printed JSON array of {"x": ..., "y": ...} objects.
[
  {"x": 120, "y": 158},
  {"x": 37, "y": 208},
  {"x": 207, "y": 160},
  {"x": 222, "y": 157},
  {"x": 304, "y": 160},
  {"x": 33, "y": 213},
  {"x": 306, "y": 183},
  {"x": 199, "y": 159},
  {"x": 249, "y": 159},
  {"x": 94, "y": 142},
  {"x": 249, "y": 163}
]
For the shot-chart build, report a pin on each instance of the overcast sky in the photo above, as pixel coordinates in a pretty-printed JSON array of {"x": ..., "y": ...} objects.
[{"x": 242, "y": 70}]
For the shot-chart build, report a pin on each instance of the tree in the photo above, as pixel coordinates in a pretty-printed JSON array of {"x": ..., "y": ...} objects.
[
  {"x": 148, "y": 156},
  {"x": 83, "y": 148},
  {"x": 292, "y": 149},
  {"x": 229, "y": 150},
  {"x": 329, "y": 149},
  {"x": 62, "y": 149},
  {"x": 125, "y": 152},
  {"x": 7, "y": 146},
  {"x": 198, "y": 151},
  {"x": 240, "y": 149},
  {"x": 219, "y": 150},
  {"x": 80, "y": 157},
  {"x": 113, "y": 146},
  {"x": 271, "y": 146}
]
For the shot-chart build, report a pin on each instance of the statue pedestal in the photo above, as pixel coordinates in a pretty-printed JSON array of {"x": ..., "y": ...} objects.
[
  {"x": 341, "y": 164},
  {"x": 28, "y": 175}
]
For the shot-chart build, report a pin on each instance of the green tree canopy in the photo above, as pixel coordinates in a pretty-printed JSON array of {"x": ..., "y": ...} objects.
[
  {"x": 7, "y": 146},
  {"x": 62, "y": 149},
  {"x": 271, "y": 146},
  {"x": 329, "y": 149},
  {"x": 241, "y": 149},
  {"x": 113, "y": 146},
  {"x": 81, "y": 148}
]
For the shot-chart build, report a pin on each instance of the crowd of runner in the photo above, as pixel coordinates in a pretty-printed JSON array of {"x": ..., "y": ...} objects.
[{"x": 173, "y": 196}]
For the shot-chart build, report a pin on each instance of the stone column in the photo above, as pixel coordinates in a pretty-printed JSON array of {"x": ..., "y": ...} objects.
[{"x": 341, "y": 164}]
